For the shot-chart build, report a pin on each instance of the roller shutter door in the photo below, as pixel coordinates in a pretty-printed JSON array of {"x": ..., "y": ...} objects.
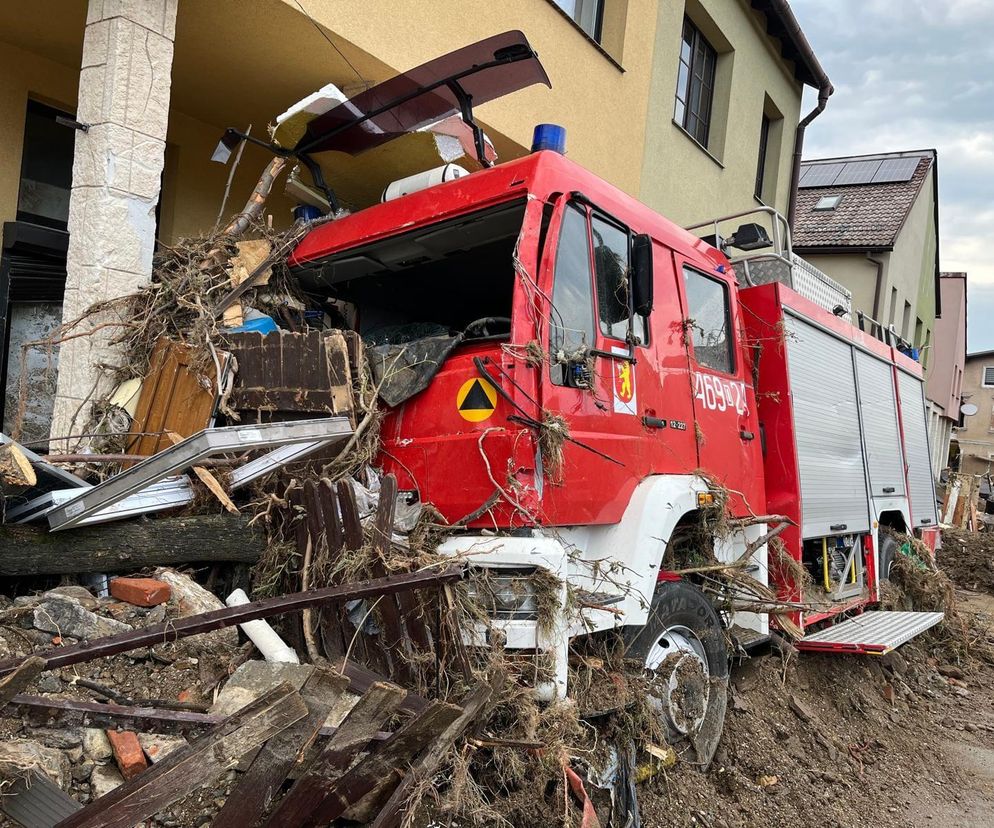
[
  {"x": 826, "y": 424},
  {"x": 920, "y": 482},
  {"x": 878, "y": 412}
]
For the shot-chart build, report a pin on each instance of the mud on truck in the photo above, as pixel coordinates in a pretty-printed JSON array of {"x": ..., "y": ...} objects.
[{"x": 590, "y": 391}]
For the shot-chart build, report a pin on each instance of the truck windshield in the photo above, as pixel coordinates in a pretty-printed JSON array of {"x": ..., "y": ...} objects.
[{"x": 436, "y": 280}]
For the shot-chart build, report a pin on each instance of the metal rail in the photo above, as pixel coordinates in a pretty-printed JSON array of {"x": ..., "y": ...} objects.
[{"x": 295, "y": 438}]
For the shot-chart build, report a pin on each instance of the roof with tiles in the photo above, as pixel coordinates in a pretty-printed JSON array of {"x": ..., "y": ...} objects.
[{"x": 868, "y": 215}]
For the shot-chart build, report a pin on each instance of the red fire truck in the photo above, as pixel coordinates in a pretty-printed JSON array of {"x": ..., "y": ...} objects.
[{"x": 614, "y": 400}]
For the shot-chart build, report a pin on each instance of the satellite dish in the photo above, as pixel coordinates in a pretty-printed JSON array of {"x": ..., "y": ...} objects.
[{"x": 969, "y": 409}]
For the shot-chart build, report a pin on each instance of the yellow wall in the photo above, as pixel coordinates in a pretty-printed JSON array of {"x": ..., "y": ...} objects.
[
  {"x": 25, "y": 74},
  {"x": 602, "y": 107},
  {"x": 238, "y": 63},
  {"x": 193, "y": 185},
  {"x": 679, "y": 178},
  {"x": 854, "y": 271}
]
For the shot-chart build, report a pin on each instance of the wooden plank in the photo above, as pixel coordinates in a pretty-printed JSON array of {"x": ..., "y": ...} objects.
[
  {"x": 382, "y": 769},
  {"x": 251, "y": 798},
  {"x": 390, "y": 814},
  {"x": 410, "y": 610},
  {"x": 363, "y": 679},
  {"x": 392, "y": 629},
  {"x": 332, "y": 522},
  {"x": 350, "y": 515},
  {"x": 16, "y": 472},
  {"x": 45, "y": 711},
  {"x": 375, "y": 656},
  {"x": 355, "y": 733},
  {"x": 179, "y": 628},
  {"x": 129, "y": 545},
  {"x": 194, "y": 766},
  {"x": 13, "y": 683},
  {"x": 337, "y": 631}
]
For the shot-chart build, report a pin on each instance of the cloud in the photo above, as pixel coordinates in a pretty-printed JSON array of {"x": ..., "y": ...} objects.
[{"x": 912, "y": 75}]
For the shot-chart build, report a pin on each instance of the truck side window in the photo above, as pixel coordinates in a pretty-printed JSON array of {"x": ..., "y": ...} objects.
[
  {"x": 709, "y": 321},
  {"x": 611, "y": 260},
  {"x": 572, "y": 311}
]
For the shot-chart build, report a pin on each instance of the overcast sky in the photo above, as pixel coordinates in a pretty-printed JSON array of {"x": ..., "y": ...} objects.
[{"x": 917, "y": 74}]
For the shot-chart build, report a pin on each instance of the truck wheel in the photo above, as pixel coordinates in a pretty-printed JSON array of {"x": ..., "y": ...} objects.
[
  {"x": 889, "y": 550},
  {"x": 683, "y": 645}
]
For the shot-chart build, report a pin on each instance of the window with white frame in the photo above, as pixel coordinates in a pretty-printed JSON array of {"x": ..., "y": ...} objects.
[{"x": 587, "y": 14}]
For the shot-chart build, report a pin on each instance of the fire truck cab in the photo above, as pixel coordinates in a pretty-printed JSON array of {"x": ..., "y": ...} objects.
[{"x": 609, "y": 400}]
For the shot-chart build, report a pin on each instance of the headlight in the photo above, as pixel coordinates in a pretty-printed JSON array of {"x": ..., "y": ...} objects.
[{"x": 505, "y": 593}]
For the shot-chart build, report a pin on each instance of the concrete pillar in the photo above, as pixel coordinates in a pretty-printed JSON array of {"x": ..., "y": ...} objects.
[{"x": 124, "y": 87}]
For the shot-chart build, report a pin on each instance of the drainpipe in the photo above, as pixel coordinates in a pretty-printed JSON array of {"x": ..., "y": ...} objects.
[
  {"x": 879, "y": 287},
  {"x": 783, "y": 11}
]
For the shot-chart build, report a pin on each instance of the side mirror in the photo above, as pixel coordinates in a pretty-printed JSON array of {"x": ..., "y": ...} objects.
[{"x": 642, "y": 274}]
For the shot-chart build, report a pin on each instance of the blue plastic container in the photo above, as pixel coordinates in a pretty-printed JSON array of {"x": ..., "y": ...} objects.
[
  {"x": 306, "y": 212},
  {"x": 549, "y": 137},
  {"x": 261, "y": 323}
]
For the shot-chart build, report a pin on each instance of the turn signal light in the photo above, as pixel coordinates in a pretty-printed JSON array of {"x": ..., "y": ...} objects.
[{"x": 705, "y": 498}]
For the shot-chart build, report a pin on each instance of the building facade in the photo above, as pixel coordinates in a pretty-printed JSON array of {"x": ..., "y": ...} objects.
[
  {"x": 724, "y": 108},
  {"x": 871, "y": 222},
  {"x": 975, "y": 435},
  {"x": 944, "y": 388},
  {"x": 110, "y": 111}
]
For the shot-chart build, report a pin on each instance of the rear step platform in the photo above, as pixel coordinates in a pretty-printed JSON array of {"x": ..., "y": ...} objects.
[{"x": 872, "y": 633}]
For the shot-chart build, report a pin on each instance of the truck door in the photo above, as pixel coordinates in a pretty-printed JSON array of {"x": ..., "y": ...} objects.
[
  {"x": 725, "y": 422},
  {"x": 600, "y": 382}
]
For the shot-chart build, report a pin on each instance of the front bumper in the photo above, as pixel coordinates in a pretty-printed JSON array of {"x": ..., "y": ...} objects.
[{"x": 517, "y": 553}]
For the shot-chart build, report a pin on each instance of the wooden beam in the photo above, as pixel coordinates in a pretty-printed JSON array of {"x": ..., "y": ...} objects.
[
  {"x": 44, "y": 711},
  {"x": 179, "y": 628},
  {"x": 248, "y": 803},
  {"x": 14, "y": 683},
  {"x": 195, "y": 765},
  {"x": 16, "y": 471},
  {"x": 384, "y": 767},
  {"x": 129, "y": 545},
  {"x": 355, "y": 733},
  {"x": 389, "y": 815}
]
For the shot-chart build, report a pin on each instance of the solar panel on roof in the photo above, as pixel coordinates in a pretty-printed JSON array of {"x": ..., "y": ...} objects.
[
  {"x": 805, "y": 169},
  {"x": 857, "y": 172},
  {"x": 822, "y": 175},
  {"x": 896, "y": 169}
]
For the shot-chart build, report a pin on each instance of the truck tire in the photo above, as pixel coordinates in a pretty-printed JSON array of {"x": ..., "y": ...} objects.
[
  {"x": 889, "y": 550},
  {"x": 683, "y": 644}
]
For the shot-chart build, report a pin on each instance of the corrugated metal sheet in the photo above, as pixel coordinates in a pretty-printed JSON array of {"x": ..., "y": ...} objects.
[
  {"x": 37, "y": 802},
  {"x": 920, "y": 482},
  {"x": 878, "y": 412},
  {"x": 872, "y": 632},
  {"x": 826, "y": 422}
]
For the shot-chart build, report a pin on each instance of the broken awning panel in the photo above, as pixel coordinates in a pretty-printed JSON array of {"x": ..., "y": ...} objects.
[{"x": 485, "y": 70}]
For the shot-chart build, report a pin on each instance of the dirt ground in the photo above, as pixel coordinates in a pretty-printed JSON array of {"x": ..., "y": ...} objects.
[
  {"x": 906, "y": 740},
  {"x": 968, "y": 558},
  {"x": 901, "y": 741}
]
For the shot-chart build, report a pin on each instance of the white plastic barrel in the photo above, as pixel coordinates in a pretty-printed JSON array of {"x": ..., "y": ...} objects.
[{"x": 423, "y": 180}]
